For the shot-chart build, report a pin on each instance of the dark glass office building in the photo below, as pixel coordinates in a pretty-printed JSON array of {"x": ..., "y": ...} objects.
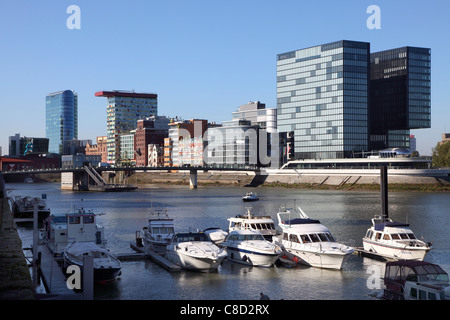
[
  {"x": 322, "y": 96},
  {"x": 341, "y": 101},
  {"x": 61, "y": 116},
  {"x": 400, "y": 95}
]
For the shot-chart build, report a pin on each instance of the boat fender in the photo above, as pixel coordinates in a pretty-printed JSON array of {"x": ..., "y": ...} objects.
[{"x": 244, "y": 258}]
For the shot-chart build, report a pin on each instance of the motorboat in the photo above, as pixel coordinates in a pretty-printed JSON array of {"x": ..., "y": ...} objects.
[
  {"x": 389, "y": 239},
  {"x": 158, "y": 232},
  {"x": 106, "y": 266},
  {"x": 194, "y": 251},
  {"x": 23, "y": 209},
  {"x": 307, "y": 241},
  {"x": 249, "y": 247},
  {"x": 61, "y": 229},
  {"x": 250, "y": 221},
  {"x": 250, "y": 196},
  {"x": 394, "y": 240},
  {"x": 216, "y": 235},
  {"x": 415, "y": 280}
]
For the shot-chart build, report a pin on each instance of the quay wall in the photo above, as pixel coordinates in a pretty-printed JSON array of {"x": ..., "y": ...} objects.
[
  {"x": 15, "y": 278},
  {"x": 312, "y": 178}
]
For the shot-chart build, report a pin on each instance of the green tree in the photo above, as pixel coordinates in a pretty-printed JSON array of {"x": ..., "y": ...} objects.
[{"x": 441, "y": 155}]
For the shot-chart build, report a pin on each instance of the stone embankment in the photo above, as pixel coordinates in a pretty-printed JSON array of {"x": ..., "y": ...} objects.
[
  {"x": 326, "y": 180},
  {"x": 15, "y": 278}
]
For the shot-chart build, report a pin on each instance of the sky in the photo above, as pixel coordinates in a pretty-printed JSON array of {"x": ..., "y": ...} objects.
[{"x": 204, "y": 58}]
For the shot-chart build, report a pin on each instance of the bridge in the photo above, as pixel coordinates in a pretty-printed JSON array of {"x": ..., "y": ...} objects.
[{"x": 78, "y": 178}]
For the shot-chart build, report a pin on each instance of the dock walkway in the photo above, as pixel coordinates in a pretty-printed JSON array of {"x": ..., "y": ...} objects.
[
  {"x": 157, "y": 258},
  {"x": 53, "y": 276}
]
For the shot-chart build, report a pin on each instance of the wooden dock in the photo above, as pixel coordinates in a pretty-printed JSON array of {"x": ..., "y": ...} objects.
[
  {"x": 163, "y": 262},
  {"x": 373, "y": 255},
  {"x": 157, "y": 258}
]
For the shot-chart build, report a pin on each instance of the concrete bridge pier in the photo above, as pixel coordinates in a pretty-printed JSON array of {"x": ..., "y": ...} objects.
[
  {"x": 78, "y": 181},
  {"x": 193, "y": 179}
]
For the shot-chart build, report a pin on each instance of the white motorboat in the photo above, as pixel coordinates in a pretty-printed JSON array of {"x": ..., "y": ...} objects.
[
  {"x": 394, "y": 240},
  {"x": 158, "y": 232},
  {"x": 216, "y": 235},
  {"x": 194, "y": 251},
  {"x": 250, "y": 196},
  {"x": 250, "y": 221},
  {"x": 106, "y": 266},
  {"x": 415, "y": 280},
  {"x": 307, "y": 241},
  {"x": 64, "y": 228},
  {"x": 251, "y": 248}
]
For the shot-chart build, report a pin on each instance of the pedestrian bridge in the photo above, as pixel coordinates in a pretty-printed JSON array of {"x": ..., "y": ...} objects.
[{"x": 78, "y": 178}]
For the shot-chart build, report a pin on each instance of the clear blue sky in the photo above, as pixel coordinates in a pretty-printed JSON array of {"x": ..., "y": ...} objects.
[{"x": 203, "y": 58}]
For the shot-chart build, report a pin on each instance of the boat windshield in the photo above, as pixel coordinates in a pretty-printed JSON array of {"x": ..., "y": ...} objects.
[
  {"x": 59, "y": 219},
  {"x": 403, "y": 236},
  {"x": 186, "y": 237},
  {"x": 262, "y": 226},
  {"x": 310, "y": 238},
  {"x": 246, "y": 237},
  {"x": 162, "y": 230}
]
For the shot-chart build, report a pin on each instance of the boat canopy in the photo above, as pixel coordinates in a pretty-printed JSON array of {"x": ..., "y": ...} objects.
[
  {"x": 403, "y": 270},
  {"x": 302, "y": 221},
  {"x": 381, "y": 226},
  {"x": 82, "y": 248}
]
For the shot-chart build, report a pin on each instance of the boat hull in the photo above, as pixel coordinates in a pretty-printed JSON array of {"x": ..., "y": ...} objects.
[
  {"x": 101, "y": 275},
  {"x": 316, "y": 259},
  {"x": 251, "y": 258},
  {"x": 194, "y": 263},
  {"x": 395, "y": 252}
]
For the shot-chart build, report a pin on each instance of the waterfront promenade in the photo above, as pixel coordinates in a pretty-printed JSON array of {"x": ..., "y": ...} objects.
[{"x": 15, "y": 278}]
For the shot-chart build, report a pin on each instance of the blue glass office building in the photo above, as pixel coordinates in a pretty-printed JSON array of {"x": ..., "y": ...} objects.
[
  {"x": 322, "y": 97},
  {"x": 61, "y": 117}
]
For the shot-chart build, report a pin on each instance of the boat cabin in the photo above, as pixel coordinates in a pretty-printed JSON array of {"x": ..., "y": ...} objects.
[
  {"x": 416, "y": 280},
  {"x": 81, "y": 226},
  {"x": 161, "y": 228},
  {"x": 249, "y": 221},
  {"x": 389, "y": 231}
]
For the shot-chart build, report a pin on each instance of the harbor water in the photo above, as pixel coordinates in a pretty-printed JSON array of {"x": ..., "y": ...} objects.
[{"x": 346, "y": 213}]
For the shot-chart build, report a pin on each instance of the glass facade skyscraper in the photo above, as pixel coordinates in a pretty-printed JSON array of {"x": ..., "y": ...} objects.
[
  {"x": 341, "y": 101},
  {"x": 61, "y": 117},
  {"x": 123, "y": 111},
  {"x": 400, "y": 95},
  {"x": 322, "y": 96}
]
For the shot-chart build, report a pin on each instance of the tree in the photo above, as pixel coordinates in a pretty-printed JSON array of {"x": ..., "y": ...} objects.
[{"x": 441, "y": 155}]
